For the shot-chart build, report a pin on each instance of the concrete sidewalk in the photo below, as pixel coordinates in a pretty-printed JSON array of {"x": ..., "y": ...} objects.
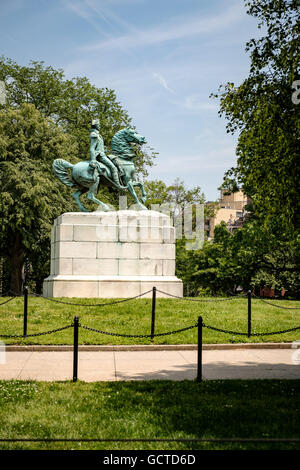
[{"x": 244, "y": 363}]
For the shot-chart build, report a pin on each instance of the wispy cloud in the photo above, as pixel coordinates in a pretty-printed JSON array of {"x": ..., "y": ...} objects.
[
  {"x": 92, "y": 11},
  {"x": 95, "y": 14},
  {"x": 78, "y": 8},
  {"x": 195, "y": 104},
  {"x": 162, "y": 81},
  {"x": 176, "y": 28}
]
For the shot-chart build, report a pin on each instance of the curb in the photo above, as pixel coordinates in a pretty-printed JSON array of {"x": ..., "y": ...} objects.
[{"x": 149, "y": 347}]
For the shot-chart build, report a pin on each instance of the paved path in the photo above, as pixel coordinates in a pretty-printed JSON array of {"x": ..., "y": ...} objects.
[{"x": 147, "y": 365}]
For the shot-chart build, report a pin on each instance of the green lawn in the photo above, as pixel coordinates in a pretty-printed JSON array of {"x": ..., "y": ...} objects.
[
  {"x": 134, "y": 317},
  {"x": 150, "y": 409}
]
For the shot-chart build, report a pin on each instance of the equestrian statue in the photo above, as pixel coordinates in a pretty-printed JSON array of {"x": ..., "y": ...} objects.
[{"x": 115, "y": 170}]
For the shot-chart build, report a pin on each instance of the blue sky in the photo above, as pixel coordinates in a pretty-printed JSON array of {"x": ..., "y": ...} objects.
[{"x": 163, "y": 59}]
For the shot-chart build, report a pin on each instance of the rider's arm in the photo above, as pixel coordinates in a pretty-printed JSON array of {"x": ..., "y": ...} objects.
[{"x": 93, "y": 145}]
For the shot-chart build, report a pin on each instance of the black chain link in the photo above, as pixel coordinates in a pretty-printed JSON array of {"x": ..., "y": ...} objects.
[
  {"x": 92, "y": 305},
  {"x": 223, "y": 331},
  {"x": 152, "y": 335},
  {"x": 274, "y": 305},
  {"x": 201, "y": 300},
  {"x": 276, "y": 332},
  {"x": 252, "y": 334},
  {"x": 38, "y": 334},
  {"x": 138, "y": 336},
  {"x": 191, "y": 439},
  {"x": 5, "y": 301}
]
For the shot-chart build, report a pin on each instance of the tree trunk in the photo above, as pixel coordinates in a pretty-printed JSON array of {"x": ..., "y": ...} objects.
[{"x": 16, "y": 266}]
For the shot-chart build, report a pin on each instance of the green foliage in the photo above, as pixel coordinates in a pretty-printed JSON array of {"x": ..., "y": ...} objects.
[
  {"x": 281, "y": 268},
  {"x": 265, "y": 251},
  {"x": 262, "y": 111},
  {"x": 252, "y": 257},
  {"x": 30, "y": 197},
  {"x": 71, "y": 104},
  {"x": 176, "y": 195}
]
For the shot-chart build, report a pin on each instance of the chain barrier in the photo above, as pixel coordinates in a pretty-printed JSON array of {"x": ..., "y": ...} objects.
[
  {"x": 138, "y": 336},
  {"x": 274, "y": 305},
  {"x": 252, "y": 334},
  {"x": 94, "y": 305},
  {"x": 5, "y": 301},
  {"x": 202, "y": 300},
  {"x": 151, "y": 336},
  {"x": 38, "y": 334},
  {"x": 191, "y": 439},
  {"x": 276, "y": 332},
  {"x": 223, "y": 331}
]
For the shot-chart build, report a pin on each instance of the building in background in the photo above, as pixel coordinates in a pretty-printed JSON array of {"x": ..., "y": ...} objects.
[{"x": 230, "y": 209}]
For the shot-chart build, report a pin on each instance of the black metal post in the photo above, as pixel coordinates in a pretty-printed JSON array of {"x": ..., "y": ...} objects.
[
  {"x": 25, "y": 310},
  {"x": 249, "y": 312},
  {"x": 199, "y": 365},
  {"x": 75, "y": 349},
  {"x": 153, "y": 313}
]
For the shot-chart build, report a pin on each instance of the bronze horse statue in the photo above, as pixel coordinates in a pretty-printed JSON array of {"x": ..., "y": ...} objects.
[{"x": 86, "y": 176}]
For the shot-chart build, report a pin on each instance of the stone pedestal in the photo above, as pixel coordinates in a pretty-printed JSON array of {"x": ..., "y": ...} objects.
[{"x": 112, "y": 255}]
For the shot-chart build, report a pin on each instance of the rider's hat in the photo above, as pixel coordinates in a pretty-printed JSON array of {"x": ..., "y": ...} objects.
[{"x": 95, "y": 122}]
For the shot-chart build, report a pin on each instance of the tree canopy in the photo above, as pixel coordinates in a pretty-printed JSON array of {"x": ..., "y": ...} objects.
[
  {"x": 69, "y": 103},
  {"x": 30, "y": 197},
  {"x": 262, "y": 110},
  {"x": 264, "y": 113},
  {"x": 177, "y": 192}
]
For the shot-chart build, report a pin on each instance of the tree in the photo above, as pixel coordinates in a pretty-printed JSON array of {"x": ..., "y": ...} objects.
[
  {"x": 266, "y": 249},
  {"x": 71, "y": 104},
  {"x": 261, "y": 109},
  {"x": 249, "y": 258},
  {"x": 174, "y": 200},
  {"x": 213, "y": 268},
  {"x": 177, "y": 195},
  {"x": 31, "y": 198}
]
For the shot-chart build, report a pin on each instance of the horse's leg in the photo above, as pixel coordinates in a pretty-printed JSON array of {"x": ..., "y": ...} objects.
[
  {"x": 141, "y": 186},
  {"x": 130, "y": 186},
  {"x": 76, "y": 195},
  {"x": 129, "y": 180},
  {"x": 91, "y": 196}
]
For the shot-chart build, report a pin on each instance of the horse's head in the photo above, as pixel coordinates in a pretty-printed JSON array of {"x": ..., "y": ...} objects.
[
  {"x": 123, "y": 141},
  {"x": 133, "y": 137}
]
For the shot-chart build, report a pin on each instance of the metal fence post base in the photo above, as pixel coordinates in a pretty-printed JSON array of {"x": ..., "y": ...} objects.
[
  {"x": 25, "y": 310},
  {"x": 249, "y": 294},
  {"x": 199, "y": 362},
  {"x": 75, "y": 349},
  {"x": 153, "y": 313}
]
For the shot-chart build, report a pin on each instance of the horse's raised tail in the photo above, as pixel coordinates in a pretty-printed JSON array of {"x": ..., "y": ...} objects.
[{"x": 60, "y": 168}]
